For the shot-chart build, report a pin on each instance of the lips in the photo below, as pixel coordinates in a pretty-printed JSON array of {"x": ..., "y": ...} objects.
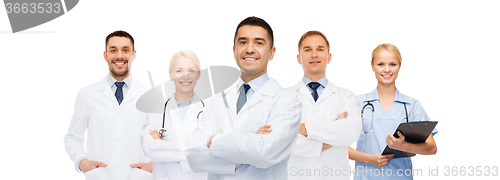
[
  {"x": 250, "y": 58},
  {"x": 185, "y": 83},
  {"x": 120, "y": 63},
  {"x": 314, "y": 62},
  {"x": 387, "y": 76}
]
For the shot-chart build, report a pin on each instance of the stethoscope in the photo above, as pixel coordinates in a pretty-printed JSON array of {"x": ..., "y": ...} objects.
[
  {"x": 373, "y": 114},
  {"x": 163, "y": 131}
]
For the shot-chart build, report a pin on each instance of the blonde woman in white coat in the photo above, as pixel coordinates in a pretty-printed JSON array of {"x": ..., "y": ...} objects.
[{"x": 181, "y": 118}]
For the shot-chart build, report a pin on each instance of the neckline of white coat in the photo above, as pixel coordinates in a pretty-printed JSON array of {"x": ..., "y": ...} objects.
[
  {"x": 196, "y": 101},
  {"x": 329, "y": 87},
  {"x": 270, "y": 88}
]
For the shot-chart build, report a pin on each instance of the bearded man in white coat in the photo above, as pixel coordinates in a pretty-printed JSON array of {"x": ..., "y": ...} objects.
[
  {"x": 330, "y": 117},
  {"x": 107, "y": 111},
  {"x": 248, "y": 132}
]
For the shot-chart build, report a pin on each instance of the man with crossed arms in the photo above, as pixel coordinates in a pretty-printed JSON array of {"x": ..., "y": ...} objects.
[
  {"x": 248, "y": 132},
  {"x": 330, "y": 117}
]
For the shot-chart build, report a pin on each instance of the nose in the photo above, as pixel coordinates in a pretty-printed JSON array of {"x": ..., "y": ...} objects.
[
  {"x": 119, "y": 55},
  {"x": 250, "y": 48},
  {"x": 314, "y": 54},
  {"x": 386, "y": 69}
]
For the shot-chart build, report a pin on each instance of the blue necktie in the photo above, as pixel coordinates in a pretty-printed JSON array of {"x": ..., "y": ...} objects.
[
  {"x": 242, "y": 98},
  {"x": 314, "y": 86},
  {"x": 119, "y": 91}
]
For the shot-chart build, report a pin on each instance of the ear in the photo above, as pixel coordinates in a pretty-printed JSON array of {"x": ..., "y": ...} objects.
[
  {"x": 298, "y": 59},
  {"x": 171, "y": 76},
  {"x": 373, "y": 68},
  {"x": 105, "y": 55},
  {"x": 234, "y": 52},
  {"x": 273, "y": 50},
  {"x": 198, "y": 76},
  {"x": 329, "y": 58},
  {"x": 133, "y": 56}
]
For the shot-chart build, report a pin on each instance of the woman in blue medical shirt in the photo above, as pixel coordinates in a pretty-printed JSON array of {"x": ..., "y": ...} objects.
[{"x": 389, "y": 105}]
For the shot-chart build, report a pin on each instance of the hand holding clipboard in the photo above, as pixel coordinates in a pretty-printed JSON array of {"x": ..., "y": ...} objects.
[{"x": 412, "y": 132}]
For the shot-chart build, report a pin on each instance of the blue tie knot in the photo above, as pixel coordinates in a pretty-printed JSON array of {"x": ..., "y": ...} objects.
[
  {"x": 247, "y": 87},
  {"x": 119, "y": 84},
  {"x": 314, "y": 85}
]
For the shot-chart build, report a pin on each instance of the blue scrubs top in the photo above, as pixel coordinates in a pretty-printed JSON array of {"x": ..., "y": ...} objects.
[{"x": 385, "y": 123}]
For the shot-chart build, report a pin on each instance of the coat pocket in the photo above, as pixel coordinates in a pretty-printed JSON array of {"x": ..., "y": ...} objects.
[
  {"x": 138, "y": 174},
  {"x": 96, "y": 174}
]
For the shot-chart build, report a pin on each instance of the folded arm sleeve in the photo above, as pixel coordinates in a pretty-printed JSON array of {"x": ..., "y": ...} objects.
[
  {"x": 342, "y": 132},
  {"x": 199, "y": 157},
  {"x": 263, "y": 151},
  {"x": 307, "y": 148},
  {"x": 159, "y": 150}
]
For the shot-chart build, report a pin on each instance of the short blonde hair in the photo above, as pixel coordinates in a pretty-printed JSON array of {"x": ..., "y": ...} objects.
[
  {"x": 187, "y": 54},
  {"x": 388, "y": 47}
]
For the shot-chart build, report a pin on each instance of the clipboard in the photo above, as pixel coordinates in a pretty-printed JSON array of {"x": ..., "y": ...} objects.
[{"x": 414, "y": 132}]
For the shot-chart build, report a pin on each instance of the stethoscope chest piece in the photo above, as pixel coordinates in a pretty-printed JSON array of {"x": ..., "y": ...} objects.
[{"x": 163, "y": 133}]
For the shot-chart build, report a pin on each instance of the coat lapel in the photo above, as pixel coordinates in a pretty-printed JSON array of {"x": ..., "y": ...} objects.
[
  {"x": 303, "y": 90},
  {"x": 106, "y": 90},
  {"x": 132, "y": 91},
  {"x": 268, "y": 90},
  {"x": 328, "y": 91}
]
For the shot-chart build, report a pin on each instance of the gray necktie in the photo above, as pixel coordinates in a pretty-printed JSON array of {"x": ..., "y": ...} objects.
[{"x": 242, "y": 98}]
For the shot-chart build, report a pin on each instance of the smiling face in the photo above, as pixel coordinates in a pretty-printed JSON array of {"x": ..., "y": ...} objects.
[
  {"x": 185, "y": 73},
  {"x": 386, "y": 67},
  {"x": 314, "y": 56},
  {"x": 119, "y": 54},
  {"x": 252, "y": 51}
]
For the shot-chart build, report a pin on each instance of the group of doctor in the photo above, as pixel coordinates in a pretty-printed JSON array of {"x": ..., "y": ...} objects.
[{"x": 254, "y": 130}]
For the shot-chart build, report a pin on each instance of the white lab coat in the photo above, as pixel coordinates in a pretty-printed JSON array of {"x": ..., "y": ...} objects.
[
  {"x": 308, "y": 161},
  {"x": 113, "y": 132},
  {"x": 168, "y": 154},
  {"x": 262, "y": 157}
]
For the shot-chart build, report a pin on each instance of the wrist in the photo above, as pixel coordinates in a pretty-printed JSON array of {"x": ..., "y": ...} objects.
[{"x": 209, "y": 141}]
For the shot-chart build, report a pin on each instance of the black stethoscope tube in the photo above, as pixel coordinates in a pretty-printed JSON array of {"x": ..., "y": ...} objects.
[
  {"x": 162, "y": 131},
  {"x": 373, "y": 114}
]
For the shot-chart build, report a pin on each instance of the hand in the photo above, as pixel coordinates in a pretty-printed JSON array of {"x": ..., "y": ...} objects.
[
  {"x": 343, "y": 115},
  {"x": 380, "y": 160},
  {"x": 155, "y": 134},
  {"x": 326, "y": 146},
  {"x": 302, "y": 129},
  {"x": 266, "y": 129},
  {"x": 143, "y": 166},
  {"x": 209, "y": 141},
  {"x": 86, "y": 165},
  {"x": 396, "y": 143}
]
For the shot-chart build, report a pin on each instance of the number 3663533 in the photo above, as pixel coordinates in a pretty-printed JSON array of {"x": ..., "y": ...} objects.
[
  {"x": 471, "y": 170},
  {"x": 33, "y": 8}
]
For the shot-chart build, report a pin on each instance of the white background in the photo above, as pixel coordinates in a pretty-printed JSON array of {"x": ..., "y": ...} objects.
[{"x": 449, "y": 49}]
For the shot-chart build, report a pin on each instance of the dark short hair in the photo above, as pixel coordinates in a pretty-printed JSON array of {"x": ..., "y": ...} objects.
[
  {"x": 310, "y": 33},
  {"x": 119, "y": 33},
  {"x": 255, "y": 21}
]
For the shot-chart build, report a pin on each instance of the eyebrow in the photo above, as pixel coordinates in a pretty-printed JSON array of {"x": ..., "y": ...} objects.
[
  {"x": 125, "y": 47},
  {"x": 305, "y": 47},
  {"x": 245, "y": 38}
]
